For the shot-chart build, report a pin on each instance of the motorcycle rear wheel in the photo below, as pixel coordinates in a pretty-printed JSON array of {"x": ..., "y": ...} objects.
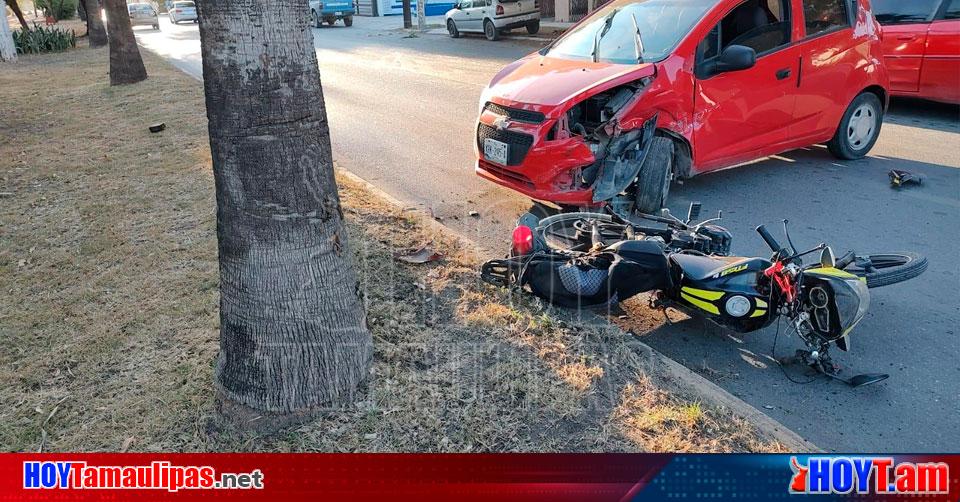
[{"x": 884, "y": 269}]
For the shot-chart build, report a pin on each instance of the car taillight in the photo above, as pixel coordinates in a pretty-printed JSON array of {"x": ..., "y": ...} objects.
[
  {"x": 177, "y": 11},
  {"x": 499, "y": 10},
  {"x": 522, "y": 240}
]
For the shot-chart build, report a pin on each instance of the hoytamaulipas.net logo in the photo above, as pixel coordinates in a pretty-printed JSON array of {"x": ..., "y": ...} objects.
[
  {"x": 159, "y": 475},
  {"x": 862, "y": 475}
]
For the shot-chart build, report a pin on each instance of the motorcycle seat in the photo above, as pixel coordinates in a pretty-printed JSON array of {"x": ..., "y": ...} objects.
[{"x": 699, "y": 267}]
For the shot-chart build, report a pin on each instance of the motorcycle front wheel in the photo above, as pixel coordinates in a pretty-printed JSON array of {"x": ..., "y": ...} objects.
[{"x": 884, "y": 269}]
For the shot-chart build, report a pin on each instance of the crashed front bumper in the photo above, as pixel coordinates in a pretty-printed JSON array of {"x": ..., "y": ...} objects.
[{"x": 542, "y": 163}]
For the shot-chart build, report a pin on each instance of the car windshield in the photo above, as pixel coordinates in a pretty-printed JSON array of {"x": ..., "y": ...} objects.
[
  {"x": 139, "y": 7},
  {"x": 184, "y": 4},
  {"x": 611, "y": 31}
]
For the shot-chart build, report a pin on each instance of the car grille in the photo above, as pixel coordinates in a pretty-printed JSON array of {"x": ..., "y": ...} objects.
[
  {"x": 516, "y": 113},
  {"x": 506, "y": 174},
  {"x": 519, "y": 143}
]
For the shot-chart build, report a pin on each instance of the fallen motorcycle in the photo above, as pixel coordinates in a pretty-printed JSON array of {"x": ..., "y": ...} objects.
[{"x": 596, "y": 259}]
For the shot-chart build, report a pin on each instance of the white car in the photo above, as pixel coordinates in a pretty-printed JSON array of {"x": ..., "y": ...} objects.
[
  {"x": 183, "y": 11},
  {"x": 491, "y": 17}
]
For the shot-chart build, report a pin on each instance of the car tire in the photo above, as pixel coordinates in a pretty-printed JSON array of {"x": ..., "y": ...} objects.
[
  {"x": 315, "y": 18},
  {"x": 533, "y": 27},
  {"x": 490, "y": 31},
  {"x": 156, "y": 27},
  {"x": 196, "y": 21},
  {"x": 859, "y": 128},
  {"x": 452, "y": 29},
  {"x": 653, "y": 180},
  {"x": 348, "y": 21}
]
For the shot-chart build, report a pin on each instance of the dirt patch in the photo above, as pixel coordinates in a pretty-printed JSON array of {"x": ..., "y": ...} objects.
[{"x": 109, "y": 308}]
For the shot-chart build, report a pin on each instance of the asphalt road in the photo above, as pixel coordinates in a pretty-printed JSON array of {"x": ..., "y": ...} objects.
[{"x": 402, "y": 114}]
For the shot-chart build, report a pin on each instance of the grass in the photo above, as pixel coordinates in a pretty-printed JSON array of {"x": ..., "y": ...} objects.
[{"x": 109, "y": 319}]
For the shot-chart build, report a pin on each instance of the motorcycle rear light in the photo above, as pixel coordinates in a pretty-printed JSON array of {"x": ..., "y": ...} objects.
[
  {"x": 522, "y": 240},
  {"x": 499, "y": 10}
]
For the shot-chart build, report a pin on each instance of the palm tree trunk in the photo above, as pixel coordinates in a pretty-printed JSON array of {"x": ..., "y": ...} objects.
[
  {"x": 17, "y": 12},
  {"x": 8, "y": 51},
  {"x": 95, "y": 30},
  {"x": 126, "y": 66},
  {"x": 293, "y": 335}
]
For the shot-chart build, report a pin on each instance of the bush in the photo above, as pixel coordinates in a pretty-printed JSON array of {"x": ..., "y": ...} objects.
[
  {"x": 59, "y": 9},
  {"x": 39, "y": 39}
]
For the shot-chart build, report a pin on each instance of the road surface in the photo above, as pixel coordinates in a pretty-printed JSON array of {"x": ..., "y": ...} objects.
[{"x": 402, "y": 114}]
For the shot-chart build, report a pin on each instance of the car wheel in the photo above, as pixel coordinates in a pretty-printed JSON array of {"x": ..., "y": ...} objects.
[
  {"x": 174, "y": 21},
  {"x": 196, "y": 21},
  {"x": 490, "y": 30},
  {"x": 533, "y": 27},
  {"x": 348, "y": 21},
  {"x": 653, "y": 181},
  {"x": 315, "y": 18},
  {"x": 156, "y": 27},
  {"x": 452, "y": 29},
  {"x": 859, "y": 128}
]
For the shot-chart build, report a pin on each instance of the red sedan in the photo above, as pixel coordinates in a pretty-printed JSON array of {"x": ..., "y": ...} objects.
[
  {"x": 921, "y": 44},
  {"x": 642, "y": 92}
]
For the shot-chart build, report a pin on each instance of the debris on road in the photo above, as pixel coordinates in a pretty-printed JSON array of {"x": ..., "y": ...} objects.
[
  {"x": 423, "y": 255},
  {"x": 899, "y": 178},
  {"x": 158, "y": 127},
  {"x": 475, "y": 214}
]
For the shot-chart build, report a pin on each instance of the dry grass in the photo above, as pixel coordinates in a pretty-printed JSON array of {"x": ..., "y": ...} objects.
[{"x": 109, "y": 309}]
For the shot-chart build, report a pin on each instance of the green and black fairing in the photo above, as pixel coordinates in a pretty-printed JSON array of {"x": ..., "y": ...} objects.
[{"x": 707, "y": 284}]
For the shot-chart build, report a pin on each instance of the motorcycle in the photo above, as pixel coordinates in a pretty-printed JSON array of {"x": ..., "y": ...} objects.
[{"x": 595, "y": 259}]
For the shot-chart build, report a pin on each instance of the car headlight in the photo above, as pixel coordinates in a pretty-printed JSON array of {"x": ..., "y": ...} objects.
[{"x": 737, "y": 306}]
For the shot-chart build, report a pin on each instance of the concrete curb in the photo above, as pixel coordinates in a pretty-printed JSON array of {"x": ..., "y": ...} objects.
[{"x": 670, "y": 370}]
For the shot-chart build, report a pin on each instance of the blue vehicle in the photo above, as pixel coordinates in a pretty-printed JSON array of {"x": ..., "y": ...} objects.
[{"x": 330, "y": 11}]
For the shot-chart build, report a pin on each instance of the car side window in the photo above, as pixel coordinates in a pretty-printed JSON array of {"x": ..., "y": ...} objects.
[
  {"x": 824, "y": 15},
  {"x": 899, "y": 11},
  {"x": 953, "y": 10},
  {"x": 763, "y": 25},
  {"x": 466, "y": 4}
]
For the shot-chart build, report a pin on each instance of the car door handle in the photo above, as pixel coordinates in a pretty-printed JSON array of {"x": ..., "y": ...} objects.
[
  {"x": 907, "y": 37},
  {"x": 782, "y": 74}
]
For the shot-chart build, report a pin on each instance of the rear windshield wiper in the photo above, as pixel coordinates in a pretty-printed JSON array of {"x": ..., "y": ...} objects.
[{"x": 607, "y": 21}]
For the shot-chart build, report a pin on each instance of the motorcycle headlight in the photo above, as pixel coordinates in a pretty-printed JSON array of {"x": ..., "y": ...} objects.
[
  {"x": 737, "y": 306},
  {"x": 853, "y": 300}
]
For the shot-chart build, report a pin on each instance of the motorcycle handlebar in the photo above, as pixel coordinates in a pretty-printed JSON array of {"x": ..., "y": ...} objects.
[{"x": 765, "y": 234}]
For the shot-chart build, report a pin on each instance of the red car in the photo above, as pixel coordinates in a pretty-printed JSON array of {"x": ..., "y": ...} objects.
[
  {"x": 921, "y": 44},
  {"x": 645, "y": 91}
]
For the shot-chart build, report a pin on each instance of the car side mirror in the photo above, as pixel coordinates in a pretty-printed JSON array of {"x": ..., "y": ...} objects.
[{"x": 736, "y": 57}]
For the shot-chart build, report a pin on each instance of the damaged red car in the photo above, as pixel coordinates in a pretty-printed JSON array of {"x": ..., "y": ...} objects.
[{"x": 643, "y": 92}]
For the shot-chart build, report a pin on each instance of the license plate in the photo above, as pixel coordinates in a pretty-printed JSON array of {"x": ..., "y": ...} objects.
[
  {"x": 495, "y": 150},
  {"x": 338, "y": 13}
]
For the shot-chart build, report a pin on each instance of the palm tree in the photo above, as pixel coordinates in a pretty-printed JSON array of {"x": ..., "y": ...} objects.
[
  {"x": 95, "y": 31},
  {"x": 293, "y": 334},
  {"x": 126, "y": 65}
]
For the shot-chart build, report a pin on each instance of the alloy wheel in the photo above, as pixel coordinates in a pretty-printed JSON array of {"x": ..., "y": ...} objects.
[{"x": 861, "y": 128}]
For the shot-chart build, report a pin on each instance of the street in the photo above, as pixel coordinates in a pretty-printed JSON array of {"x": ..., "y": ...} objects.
[{"x": 402, "y": 112}]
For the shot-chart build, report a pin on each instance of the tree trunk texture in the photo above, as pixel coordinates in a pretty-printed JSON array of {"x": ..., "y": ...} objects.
[
  {"x": 95, "y": 30},
  {"x": 8, "y": 51},
  {"x": 126, "y": 65},
  {"x": 293, "y": 333},
  {"x": 407, "y": 18},
  {"x": 17, "y": 12}
]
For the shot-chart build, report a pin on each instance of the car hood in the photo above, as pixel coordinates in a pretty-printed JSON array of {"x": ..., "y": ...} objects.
[{"x": 545, "y": 80}]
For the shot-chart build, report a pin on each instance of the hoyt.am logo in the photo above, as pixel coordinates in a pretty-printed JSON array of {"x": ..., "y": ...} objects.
[{"x": 876, "y": 475}]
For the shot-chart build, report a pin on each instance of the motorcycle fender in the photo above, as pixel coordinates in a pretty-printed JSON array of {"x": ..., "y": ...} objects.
[{"x": 618, "y": 173}]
